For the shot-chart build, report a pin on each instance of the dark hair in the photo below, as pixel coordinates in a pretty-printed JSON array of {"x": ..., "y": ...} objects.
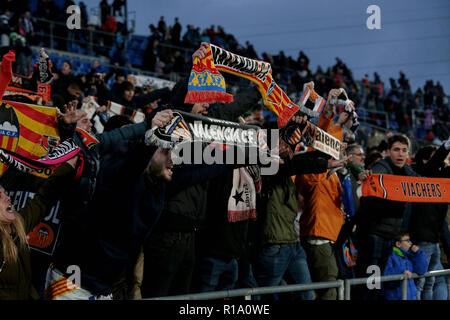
[
  {"x": 76, "y": 84},
  {"x": 126, "y": 85},
  {"x": 69, "y": 63},
  {"x": 400, "y": 235},
  {"x": 138, "y": 90},
  {"x": 119, "y": 73},
  {"x": 117, "y": 121},
  {"x": 382, "y": 146},
  {"x": 424, "y": 153},
  {"x": 398, "y": 138},
  {"x": 371, "y": 159},
  {"x": 372, "y": 149}
]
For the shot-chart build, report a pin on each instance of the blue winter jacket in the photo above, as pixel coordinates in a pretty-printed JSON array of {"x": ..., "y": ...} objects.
[{"x": 399, "y": 261}]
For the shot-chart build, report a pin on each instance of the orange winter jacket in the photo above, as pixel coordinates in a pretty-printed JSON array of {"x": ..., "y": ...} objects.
[{"x": 322, "y": 215}]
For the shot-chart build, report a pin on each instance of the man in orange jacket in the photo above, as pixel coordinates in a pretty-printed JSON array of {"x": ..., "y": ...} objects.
[{"x": 322, "y": 217}]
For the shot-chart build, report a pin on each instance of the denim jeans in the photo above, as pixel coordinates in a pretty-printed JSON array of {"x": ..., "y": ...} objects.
[
  {"x": 248, "y": 281},
  {"x": 287, "y": 261},
  {"x": 432, "y": 288},
  {"x": 217, "y": 274}
]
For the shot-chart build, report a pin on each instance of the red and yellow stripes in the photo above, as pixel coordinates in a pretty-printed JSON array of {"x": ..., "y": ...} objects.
[
  {"x": 34, "y": 121},
  {"x": 275, "y": 99},
  {"x": 9, "y": 143},
  {"x": 59, "y": 288}
]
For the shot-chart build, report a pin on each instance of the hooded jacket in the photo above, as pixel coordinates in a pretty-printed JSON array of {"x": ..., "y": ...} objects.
[{"x": 399, "y": 261}]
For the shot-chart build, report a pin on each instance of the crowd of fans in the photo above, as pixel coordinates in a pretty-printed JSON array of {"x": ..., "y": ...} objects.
[
  {"x": 422, "y": 115},
  {"x": 151, "y": 229}
]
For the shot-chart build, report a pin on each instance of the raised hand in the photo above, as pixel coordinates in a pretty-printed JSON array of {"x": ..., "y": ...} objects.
[
  {"x": 43, "y": 54},
  {"x": 337, "y": 163},
  {"x": 308, "y": 84},
  {"x": 200, "y": 52},
  {"x": 162, "y": 118},
  {"x": 364, "y": 175},
  {"x": 70, "y": 114},
  {"x": 299, "y": 119}
]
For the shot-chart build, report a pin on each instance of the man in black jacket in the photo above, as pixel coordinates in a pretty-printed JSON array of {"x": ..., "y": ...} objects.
[
  {"x": 170, "y": 253},
  {"x": 103, "y": 235},
  {"x": 379, "y": 220},
  {"x": 428, "y": 220}
]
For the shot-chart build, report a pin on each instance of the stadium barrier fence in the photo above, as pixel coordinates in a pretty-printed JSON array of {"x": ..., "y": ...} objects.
[{"x": 343, "y": 288}]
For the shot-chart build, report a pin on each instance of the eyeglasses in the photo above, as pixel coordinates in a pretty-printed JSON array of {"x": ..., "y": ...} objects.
[
  {"x": 406, "y": 240},
  {"x": 359, "y": 154}
]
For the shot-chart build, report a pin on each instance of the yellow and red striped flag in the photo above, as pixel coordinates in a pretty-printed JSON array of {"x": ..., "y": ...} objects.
[{"x": 29, "y": 130}]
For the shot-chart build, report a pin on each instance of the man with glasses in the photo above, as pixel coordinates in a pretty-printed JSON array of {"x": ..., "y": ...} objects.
[{"x": 355, "y": 165}]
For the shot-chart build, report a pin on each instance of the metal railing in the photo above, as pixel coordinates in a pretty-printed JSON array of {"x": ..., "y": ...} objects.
[
  {"x": 248, "y": 292},
  {"x": 89, "y": 39},
  {"x": 105, "y": 63},
  {"x": 402, "y": 277},
  {"x": 93, "y": 36},
  {"x": 343, "y": 288},
  {"x": 379, "y": 116}
]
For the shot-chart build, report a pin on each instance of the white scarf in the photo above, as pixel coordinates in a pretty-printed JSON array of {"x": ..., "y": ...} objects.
[{"x": 242, "y": 201}]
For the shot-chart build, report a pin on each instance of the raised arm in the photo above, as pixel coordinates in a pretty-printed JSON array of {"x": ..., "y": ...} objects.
[
  {"x": 47, "y": 195},
  {"x": 131, "y": 162}
]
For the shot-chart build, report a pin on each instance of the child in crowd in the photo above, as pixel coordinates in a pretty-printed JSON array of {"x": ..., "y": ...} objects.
[{"x": 406, "y": 258}]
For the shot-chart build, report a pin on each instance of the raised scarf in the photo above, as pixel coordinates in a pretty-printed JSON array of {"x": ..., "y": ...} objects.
[
  {"x": 65, "y": 151},
  {"x": 318, "y": 103},
  {"x": 313, "y": 137},
  {"x": 206, "y": 78},
  {"x": 206, "y": 84},
  {"x": 91, "y": 106},
  {"x": 15, "y": 84},
  {"x": 407, "y": 189}
]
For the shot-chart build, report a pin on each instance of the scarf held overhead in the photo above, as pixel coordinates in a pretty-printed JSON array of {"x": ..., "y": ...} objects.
[
  {"x": 407, "y": 189},
  {"x": 65, "y": 151},
  {"x": 188, "y": 127},
  {"x": 206, "y": 129},
  {"x": 313, "y": 137},
  {"x": 92, "y": 105},
  {"x": 206, "y": 84},
  {"x": 28, "y": 130}
]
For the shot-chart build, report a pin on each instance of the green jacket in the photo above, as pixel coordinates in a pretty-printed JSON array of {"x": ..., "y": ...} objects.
[
  {"x": 278, "y": 201},
  {"x": 281, "y": 213},
  {"x": 15, "y": 280}
]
